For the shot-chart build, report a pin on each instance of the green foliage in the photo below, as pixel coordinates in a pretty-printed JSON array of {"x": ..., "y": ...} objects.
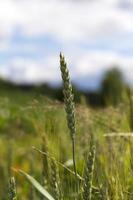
[{"x": 130, "y": 100}]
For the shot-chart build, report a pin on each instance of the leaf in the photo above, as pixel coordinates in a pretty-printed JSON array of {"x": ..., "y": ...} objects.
[{"x": 37, "y": 185}]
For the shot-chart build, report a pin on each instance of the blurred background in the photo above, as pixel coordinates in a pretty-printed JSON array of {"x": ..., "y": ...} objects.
[{"x": 95, "y": 36}]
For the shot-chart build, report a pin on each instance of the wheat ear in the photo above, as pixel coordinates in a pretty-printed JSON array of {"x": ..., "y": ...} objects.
[
  {"x": 55, "y": 181},
  {"x": 88, "y": 173},
  {"x": 12, "y": 189},
  {"x": 69, "y": 104}
]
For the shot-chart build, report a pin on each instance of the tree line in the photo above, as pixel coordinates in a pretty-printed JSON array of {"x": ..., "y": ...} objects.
[{"x": 110, "y": 91}]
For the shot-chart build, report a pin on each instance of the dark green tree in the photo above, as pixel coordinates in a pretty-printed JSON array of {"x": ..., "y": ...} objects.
[{"x": 112, "y": 87}]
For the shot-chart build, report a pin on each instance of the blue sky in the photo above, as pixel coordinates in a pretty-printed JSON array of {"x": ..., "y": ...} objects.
[{"x": 94, "y": 35}]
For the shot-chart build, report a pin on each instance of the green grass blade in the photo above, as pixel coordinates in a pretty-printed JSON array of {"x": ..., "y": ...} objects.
[{"x": 37, "y": 185}]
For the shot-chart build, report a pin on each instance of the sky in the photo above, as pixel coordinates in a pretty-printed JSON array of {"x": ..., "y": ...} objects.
[{"x": 94, "y": 36}]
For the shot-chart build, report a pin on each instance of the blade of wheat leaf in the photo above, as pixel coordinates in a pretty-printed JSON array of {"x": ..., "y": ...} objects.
[
  {"x": 59, "y": 163},
  {"x": 36, "y": 185}
]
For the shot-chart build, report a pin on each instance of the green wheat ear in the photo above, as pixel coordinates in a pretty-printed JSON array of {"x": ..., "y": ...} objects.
[
  {"x": 69, "y": 103},
  {"x": 88, "y": 173},
  {"x": 12, "y": 189},
  {"x": 55, "y": 181}
]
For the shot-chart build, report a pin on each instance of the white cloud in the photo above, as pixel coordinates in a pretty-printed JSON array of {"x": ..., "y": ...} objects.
[
  {"x": 72, "y": 23},
  {"x": 22, "y": 70},
  {"x": 95, "y": 63},
  {"x": 90, "y": 64},
  {"x": 65, "y": 20}
]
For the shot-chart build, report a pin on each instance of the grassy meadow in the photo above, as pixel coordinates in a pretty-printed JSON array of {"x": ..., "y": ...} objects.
[{"x": 31, "y": 124}]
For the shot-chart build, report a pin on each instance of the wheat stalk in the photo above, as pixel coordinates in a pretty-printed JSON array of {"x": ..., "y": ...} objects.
[
  {"x": 45, "y": 171},
  {"x": 45, "y": 165},
  {"x": 59, "y": 163},
  {"x": 69, "y": 104}
]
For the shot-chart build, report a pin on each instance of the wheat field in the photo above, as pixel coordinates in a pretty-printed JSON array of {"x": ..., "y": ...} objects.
[{"x": 48, "y": 152}]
